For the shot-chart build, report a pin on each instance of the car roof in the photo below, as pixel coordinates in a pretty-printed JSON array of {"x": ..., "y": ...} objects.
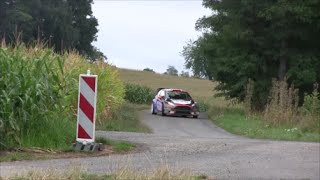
[
  {"x": 159, "y": 89},
  {"x": 174, "y": 90}
]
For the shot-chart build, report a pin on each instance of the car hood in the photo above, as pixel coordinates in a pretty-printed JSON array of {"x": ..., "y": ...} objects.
[{"x": 180, "y": 101}]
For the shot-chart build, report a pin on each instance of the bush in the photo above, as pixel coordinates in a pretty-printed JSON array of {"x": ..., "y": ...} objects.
[
  {"x": 138, "y": 94},
  {"x": 311, "y": 110},
  {"x": 203, "y": 105},
  {"x": 38, "y": 96},
  {"x": 312, "y": 102}
]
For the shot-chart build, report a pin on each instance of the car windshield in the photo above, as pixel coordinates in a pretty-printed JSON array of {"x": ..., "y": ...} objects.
[{"x": 179, "y": 95}]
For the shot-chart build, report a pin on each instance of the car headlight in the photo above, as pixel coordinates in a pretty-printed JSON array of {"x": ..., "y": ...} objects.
[{"x": 194, "y": 105}]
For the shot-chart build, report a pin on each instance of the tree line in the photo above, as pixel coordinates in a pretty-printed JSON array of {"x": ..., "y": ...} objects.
[
  {"x": 61, "y": 24},
  {"x": 246, "y": 39},
  {"x": 172, "y": 71}
]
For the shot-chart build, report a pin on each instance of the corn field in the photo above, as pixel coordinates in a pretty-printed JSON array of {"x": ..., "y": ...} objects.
[
  {"x": 38, "y": 96},
  {"x": 138, "y": 94}
]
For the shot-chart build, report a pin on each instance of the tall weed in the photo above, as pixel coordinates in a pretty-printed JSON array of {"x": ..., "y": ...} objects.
[
  {"x": 283, "y": 107},
  {"x": 283, "y": 103}
]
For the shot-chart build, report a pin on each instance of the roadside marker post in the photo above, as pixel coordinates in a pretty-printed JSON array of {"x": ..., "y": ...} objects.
[{"x": 86, "y": 117}]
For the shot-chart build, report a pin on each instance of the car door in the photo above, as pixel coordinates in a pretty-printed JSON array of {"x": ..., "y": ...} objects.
[{"x": 160, "y": 99}]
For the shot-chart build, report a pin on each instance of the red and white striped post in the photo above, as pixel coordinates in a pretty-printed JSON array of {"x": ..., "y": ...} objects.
[{"x": 87, "y": 108}]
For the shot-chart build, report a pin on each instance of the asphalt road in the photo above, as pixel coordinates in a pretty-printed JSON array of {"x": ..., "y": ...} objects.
[{"x": 199, "y": 146}]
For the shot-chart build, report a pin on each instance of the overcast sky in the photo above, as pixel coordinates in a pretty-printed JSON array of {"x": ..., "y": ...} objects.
[{"x": 141, "y": 34}]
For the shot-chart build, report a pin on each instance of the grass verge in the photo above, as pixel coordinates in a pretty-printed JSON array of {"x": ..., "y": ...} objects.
[
  {"x": 117, "y": 146},
  {"x": 111, "y": 147},
  {"x": 79, "y": 172},
  {"x": 235, "y": 121},
  {"x": 126, "y": 119},
  {"x": 16, "y": 156}
]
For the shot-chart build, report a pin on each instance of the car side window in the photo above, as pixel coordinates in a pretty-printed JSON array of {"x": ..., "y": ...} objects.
[
  {"x": 158, "y": 94},
  {"x": 161, "y": 93}
]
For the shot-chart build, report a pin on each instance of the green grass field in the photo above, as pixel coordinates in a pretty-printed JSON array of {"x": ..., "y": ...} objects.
[{"x": 223, "y": 113}]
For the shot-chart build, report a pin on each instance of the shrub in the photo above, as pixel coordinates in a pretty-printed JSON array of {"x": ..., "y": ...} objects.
[
  {"x": 38, "y": 95},
  {"x": 203, "y": 105},
  {"x": 149, "y": 70},
  {"x": 311, "y": 110},
  {"x": 138, "y": 94},
  {"x": 312, "y": 102}
]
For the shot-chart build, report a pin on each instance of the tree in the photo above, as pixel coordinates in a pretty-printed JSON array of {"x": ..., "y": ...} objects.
[
  {"x": 148, "y": 70},
  {"x": 63, "y": 24},
  {"x": 172, "y": 71},
  {"x": 245, "y": 40},
  {"x": 184, "y": 74},
  {"x": 196, "y": 59},
  {"x": 85, "y": 23}
]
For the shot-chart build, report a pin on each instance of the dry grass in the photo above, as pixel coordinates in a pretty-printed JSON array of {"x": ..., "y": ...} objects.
[
  {"x": 74, "y": 172},
  {"x": 160, "y": 173},
  {"x": 77, "y": 172},
  {"x": 196, "y": 87}
]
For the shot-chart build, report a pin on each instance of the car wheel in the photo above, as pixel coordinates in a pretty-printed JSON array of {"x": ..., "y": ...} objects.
[
  {"x": 152, "y": 109},
  {"x": 162, "y": 112},
  {"x": 195, "y": 117}
]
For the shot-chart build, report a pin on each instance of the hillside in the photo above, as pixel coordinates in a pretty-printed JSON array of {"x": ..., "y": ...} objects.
[{"x": 196, "y": 87}]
